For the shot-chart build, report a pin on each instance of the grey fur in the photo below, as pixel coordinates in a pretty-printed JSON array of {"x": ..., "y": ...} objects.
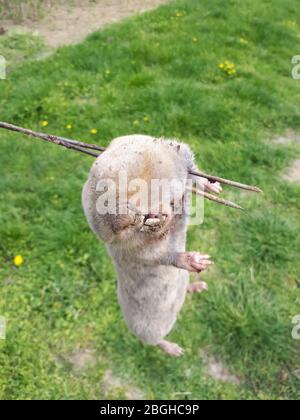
[{"x": 151, "y": 264}]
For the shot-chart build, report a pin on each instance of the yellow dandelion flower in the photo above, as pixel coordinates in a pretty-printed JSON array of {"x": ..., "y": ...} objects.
[
  {"x": 18, "y": 260},
  {"x": 221, "y": 66},
  {"x": 231, "y": 72},
  {"x": 291, "y": 23},
  {"x": 69, "y": 126},
  {"x": 94, "y": 131},
  {"x": 44, "y": 123},
  {"x": 243, "y": 41},
  {"x": 146, "y": 119}
]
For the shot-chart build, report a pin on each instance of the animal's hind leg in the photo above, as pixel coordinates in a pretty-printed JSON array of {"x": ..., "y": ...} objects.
[
  {"x": 197, "y": 287},
  {"x": 171, "y": 348}
]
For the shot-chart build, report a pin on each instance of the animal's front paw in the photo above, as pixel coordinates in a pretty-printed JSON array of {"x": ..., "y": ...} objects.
[{"x": 193, "y": 261}]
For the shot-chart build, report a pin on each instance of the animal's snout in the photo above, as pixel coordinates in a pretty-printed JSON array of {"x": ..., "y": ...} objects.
[
  {"x": 152, "y": 216},
  {"x": 155, "y": 220},
  {"x": 156, "y": 216}
]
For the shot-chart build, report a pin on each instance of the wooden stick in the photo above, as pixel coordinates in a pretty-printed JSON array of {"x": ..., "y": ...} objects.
[
  {"x": 81, "y": 146},
  {"x": 226, "y": 181},
  {"x": 218, "y": 200},
  {"x": 61, "y": 141}
]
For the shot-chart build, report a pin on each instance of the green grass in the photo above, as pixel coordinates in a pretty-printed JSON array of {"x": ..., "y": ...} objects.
[
  {"x": 19, "y": 47},
  {"x": 163, "y": 65}
]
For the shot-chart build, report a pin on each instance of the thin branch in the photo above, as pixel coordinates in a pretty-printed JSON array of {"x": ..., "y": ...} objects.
[
  {"x": 61, "y": 141},
  {"x": 226, "y": 181},
  {"x": 81, "y": 146},
  {"x": 218, "y": 200}
]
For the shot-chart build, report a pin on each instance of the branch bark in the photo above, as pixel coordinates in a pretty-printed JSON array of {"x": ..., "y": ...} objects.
[
  {"x": 82, "y": 147},
  {"x": 213, "y": 178},
  {"x": 60, "y": 141},
  {"x": 218, "y": 200}
]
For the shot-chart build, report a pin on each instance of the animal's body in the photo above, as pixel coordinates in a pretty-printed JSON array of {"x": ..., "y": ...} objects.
[{"x": 148, "y": 246}]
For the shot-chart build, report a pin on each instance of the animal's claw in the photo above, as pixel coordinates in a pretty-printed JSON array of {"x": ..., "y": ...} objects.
[
  {"x": 193, "y": 261},
  {"x": 213, "y": 187}
]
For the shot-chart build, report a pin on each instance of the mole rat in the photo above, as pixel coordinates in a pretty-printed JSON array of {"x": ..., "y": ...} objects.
[{"x": 147, "y": 245}]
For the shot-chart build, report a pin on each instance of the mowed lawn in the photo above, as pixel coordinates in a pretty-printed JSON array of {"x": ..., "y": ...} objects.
[{"x": 156, "y": 74}]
